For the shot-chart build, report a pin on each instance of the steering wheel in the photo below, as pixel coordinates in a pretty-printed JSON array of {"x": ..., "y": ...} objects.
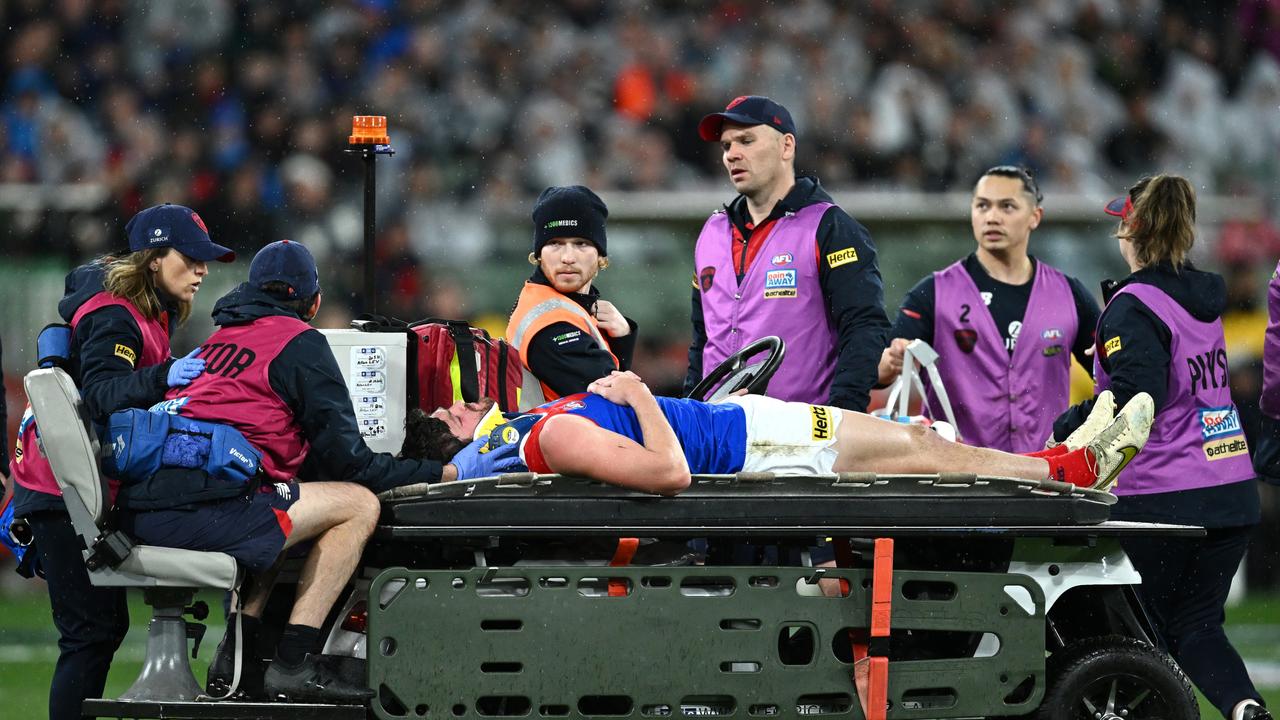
[{"x": 735, "y": 374}]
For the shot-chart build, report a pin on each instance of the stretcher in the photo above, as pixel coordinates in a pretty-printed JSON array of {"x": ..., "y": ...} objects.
[{"x": 949, "y": 596}]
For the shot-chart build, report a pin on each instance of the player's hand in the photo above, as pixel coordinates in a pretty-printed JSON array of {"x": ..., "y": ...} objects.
[
  {"x": 621, "y": 387},
  {"x": 185, "y": 369},
  {"x": 891, "y": 360},
  {"x": 610, "y": 320}
]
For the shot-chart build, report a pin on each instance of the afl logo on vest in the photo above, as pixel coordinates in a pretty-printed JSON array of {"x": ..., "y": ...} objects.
[{"x": 1223, "y": 436}]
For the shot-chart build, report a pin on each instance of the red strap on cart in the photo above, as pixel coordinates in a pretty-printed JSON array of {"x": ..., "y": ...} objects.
[
  {"x": 877, "y": 686},
  {"x": 881, "y": 613},
  {"x": 621, "y": 558}
]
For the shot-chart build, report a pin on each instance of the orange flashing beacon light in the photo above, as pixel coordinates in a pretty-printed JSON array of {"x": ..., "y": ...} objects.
[{"x": 369, "y": 130}]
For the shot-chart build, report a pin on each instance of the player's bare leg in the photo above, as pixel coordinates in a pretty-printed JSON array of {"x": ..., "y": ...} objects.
[{"x": 869, "y": 444}]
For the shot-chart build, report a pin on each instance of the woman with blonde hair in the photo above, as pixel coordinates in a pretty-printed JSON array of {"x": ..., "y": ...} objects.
[
  {"x": 1161, "y": 333},
  {"x": 121, "y": 310}
]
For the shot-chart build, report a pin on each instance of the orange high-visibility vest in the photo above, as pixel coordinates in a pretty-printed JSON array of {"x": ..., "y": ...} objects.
[{"x": 540, "y": 306}]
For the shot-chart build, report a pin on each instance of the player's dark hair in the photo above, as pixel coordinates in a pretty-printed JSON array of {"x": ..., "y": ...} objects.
[
  {"x": 1161, "y": 225},
  {"x": 428, "y": 438},
  {"x": 1017, "y": 172},
  {"x": 284, "y": 294}
]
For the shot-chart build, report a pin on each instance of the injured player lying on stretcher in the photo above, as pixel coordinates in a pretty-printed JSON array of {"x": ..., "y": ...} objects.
[{"x": 620, "y": 433}]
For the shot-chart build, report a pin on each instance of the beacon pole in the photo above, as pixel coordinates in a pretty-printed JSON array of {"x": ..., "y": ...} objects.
[{"x": 368, "y": 140}]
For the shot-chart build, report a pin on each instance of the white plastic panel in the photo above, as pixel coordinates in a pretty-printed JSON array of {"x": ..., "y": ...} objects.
[{"x": 375, "y": 368}]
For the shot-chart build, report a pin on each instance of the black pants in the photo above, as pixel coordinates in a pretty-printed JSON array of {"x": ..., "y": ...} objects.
[
  {"x": 91, "y": 621},
  {"x": 1184, "y": 588}
]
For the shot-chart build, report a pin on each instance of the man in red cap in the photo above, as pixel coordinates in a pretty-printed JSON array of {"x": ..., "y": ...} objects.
[{"x": 782, "y": 259}]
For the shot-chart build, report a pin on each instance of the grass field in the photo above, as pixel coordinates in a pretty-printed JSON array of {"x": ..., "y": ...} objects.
[{"x": 28, "y": 649}]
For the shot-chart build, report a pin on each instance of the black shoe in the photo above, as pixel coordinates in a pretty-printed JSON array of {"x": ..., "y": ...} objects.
[
  {"x": 222, "y": 672},
  {"x": 1256, "y": 712},
  {"x": 312, "y": 681}
]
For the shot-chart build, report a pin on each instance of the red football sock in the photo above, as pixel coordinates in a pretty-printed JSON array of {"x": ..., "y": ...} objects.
[
  {"x": 1073, "y": 467},
  {"x": 1048, "y": 452}
]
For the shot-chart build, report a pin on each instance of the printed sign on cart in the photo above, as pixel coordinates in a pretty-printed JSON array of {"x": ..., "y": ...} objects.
[
  {"x": 371, "y": 382},
  {"x": 373, "y": 428},
  {"x": 368, "y": 357},
  {"x": 370, "y": 405}
]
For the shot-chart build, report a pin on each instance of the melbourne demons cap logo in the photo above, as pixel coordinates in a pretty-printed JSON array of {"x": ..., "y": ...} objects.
[
  {"x": 966, "y": 339},
  {"x": 707, "y": 277}
]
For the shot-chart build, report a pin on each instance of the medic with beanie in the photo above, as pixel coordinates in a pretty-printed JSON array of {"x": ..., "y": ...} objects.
[{"x": 567, "y": 335}]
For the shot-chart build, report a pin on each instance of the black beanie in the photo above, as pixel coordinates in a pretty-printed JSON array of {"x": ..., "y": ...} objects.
[{"x": 572, "y": 211}]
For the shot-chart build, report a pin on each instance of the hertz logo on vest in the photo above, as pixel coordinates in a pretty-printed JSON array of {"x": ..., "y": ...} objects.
[
  {"x": 821, "y": 422},
  {"x": 842, "y": 257},
  {"x": 126, "y": 353}
]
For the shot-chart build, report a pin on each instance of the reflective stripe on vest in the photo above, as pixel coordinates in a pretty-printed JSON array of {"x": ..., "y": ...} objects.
[{"x": 540, "y": 306}]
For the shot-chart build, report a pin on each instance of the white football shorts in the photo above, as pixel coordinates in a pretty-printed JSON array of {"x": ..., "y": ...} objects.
[{"x": 788, "y": 437}]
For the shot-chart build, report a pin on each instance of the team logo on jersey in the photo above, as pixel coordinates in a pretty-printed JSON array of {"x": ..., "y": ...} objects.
[
  {"x": 1222, "y": 433},
  {"x": 782, "y": 259},
  {"x": 841, "y": 257},
  {"x": 707, "y": 277},
  {"x": 966, "y": 339},
  {"x": 780, "y": 284},
  {"x": 822, "y": 423},
  {"x": 126, "y": 353},
  {"x": 575, "y": 405},
  {"x": 501, "y": 436}
]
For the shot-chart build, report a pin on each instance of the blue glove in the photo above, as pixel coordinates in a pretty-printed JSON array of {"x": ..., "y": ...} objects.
[
  {"x": 478, "y": 460},
  {"x": 184, "y": 370}
]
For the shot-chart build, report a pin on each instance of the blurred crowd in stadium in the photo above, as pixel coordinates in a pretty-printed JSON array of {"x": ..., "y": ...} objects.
[{"x": 241, "y": 109}]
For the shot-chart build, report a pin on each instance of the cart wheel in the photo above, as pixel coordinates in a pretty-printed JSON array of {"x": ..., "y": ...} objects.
[{"x": 1116, "y": 678}]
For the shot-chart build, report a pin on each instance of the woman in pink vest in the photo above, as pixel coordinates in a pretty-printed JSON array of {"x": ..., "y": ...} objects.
[
  {"x": 1161, "y": 333},
  {"x": 121, "y": 310}
]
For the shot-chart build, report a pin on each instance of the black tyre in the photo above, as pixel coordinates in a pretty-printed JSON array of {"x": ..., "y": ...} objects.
[{"x": 1116, "y": 678}]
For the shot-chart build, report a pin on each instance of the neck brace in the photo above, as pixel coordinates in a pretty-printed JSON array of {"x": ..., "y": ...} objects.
[{"x": 491, "y": 420}]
